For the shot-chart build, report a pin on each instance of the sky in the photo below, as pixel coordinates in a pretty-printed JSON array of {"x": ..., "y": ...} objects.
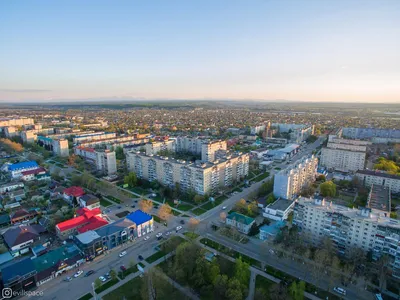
[{"x": 306, "y": 50}]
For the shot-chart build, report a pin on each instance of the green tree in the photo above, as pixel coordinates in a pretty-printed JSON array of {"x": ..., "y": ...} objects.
[
  {"x": 234, "y": 292},
  {"x": 131, "y": 179},
  {"x": 97, "y": 283},
  {"x": 297, "y": 289},
  {"x": 119, "y": 153},
  {"x": 242, "y": 271},
  {"x": 113, "y": 274},
  {"x": 328, "y": 189},
  {"x": 220, "y": 286},
  {"x": 241, "y": 206},
  {"x": 198, "y": 199},
  {"x": 254, "y": 230}
]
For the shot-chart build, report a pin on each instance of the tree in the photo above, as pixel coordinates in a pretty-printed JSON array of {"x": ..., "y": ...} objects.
[
  {"x": 165, "y": 212},
  {"x": 328, "y": 189},
  {"x": 297, "y": 289},
  {"x": 220, "y": 286},
  {"x": 307, "y": 190},
  {"x": 278, "y": 292},
  {"x": 97, "y": 283},
  {"x": 252, "y": 209},
  {"x": 234, "y": 291},
  {"x": 260, "y": 294},
  {"x": 193, "y": 223},
  {"x": 131, "y": 179},
  {"x": 321, "y": 177},
  {"x": 10, "y": 146},
  {"x": 113, "y": 274},
  {"x": 241, "y": 206},
  {"x": 72, "y": 160},
  {"x": 198, "y": 199},
  {"x": 242, "y": 271},
  {"x": 222, "y": 216},
  {"x": 146, "y": 205},
  {"x": 119, "y": 153},
  {"x": 254, "y": 230}
]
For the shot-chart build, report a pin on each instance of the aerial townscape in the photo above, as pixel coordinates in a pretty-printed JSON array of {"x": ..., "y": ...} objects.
[{"x": 204, "y": 150}]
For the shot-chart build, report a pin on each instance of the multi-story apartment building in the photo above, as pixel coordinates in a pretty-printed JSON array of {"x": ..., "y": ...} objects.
[
  {"x": 4, "y": 122},
  {"x": 369, "y": 178},
  {"x": 343, "y": 155},
  {"x": 10, "y": 131},
  {"x": 60, "y": 147},
  {"x": 364, "y": 228},
  {"x": 202, "y": 177},
  {"x": 297, "y": 132},
  {"x": 121, "y": 141},
  {"x": 155, "y": 147},
  {"x": 289, "y": 182},
  {"x": 93, "y": 136},
  {"x": 104, "y": 160},
  {"x": 28, "y": 136},
  {"x": 209, "y": 150},
  {"x": 189, "y": 144},
  {"x": 370, "y": 133}
]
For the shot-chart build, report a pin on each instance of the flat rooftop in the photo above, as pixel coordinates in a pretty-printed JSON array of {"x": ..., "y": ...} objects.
[
  {"x": 379, "y": 198},
  {"x": 280, "y": 204}
]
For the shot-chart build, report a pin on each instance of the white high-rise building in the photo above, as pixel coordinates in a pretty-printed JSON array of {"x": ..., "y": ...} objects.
[
  {"x": 201, "y": 177},
  {"x": 364, "y": 228},
  {"x": 343, "y": 157},
  {"x": 155, "y": 147},
  {"x": 60, "y": 147},
  {"x": 104, "y": 160},
  {"x": 289, "y": 182},
  {"x": 209, "y": 150},
  {"x": 28, "y": 136}
]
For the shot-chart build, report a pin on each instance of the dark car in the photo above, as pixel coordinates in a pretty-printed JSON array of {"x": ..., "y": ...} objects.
[
  {"x": 88, "y": 273},
  {"x": 159, "y": 238},
  {"x": 140, "y": 257},
  {"x": 123, "y": 268},
  {"x": 182, "y": 222},
  {"x": 119, "y": 207},
  {"x": 133, "y": 206}
]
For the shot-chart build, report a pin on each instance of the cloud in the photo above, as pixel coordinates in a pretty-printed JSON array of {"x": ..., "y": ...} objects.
[{"x": 24, "y": 90}]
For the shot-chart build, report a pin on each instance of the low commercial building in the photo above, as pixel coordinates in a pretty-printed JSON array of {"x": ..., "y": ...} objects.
[
  {"x": 90, "y": 243},
  {"x": 241, "y": 222},
  {"x": 288, "y": 183},
  {"x": 17, "y": 168},
  {"x": 279, "y": 210},
  {"x": 32, "y": 174},
  {"x": 20, "y": 276},
  {"x": 269, "y": 232},
  {"x": 8, "y": 187},
  {"x": 369, "y": 178}
]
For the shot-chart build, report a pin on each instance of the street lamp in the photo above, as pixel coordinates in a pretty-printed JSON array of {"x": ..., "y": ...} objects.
[{"x": 94, "y": 291}]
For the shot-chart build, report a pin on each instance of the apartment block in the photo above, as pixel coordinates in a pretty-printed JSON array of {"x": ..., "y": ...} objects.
[
  {"x": 209, "y": 151},
  {"x": 348, "y": 228},
  {"x": 289, "y": 182},
  {"x": 202, "y": 177},
  {"x": 189, "y": 144},
  {"x": 60, "y": 147},
  {"x": 370, "y": 133},
  {"x": 155, "y": 147},
  {"x": 4, "y": 122},
  {"x": 104, "y": 160},
  {"x": 369, "y": 178},
  {"x": 28, "y": 136},
  {"x": 342, "y": 160},
  {"x": 93, "y": 136},
  {"x": 10, "y": 131},
  {"x": 297, "y": 132}
]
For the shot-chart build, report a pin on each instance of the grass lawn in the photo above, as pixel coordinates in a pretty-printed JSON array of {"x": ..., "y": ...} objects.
[
  {"x": 116, "y": 200},
  {"x": 175, "y": 213},
  {"x": 263, "y": 283},
  {"x": 155, "y": 256},
  {"x": 123, "y": 274},
  {"x": 156, "y": 219},
  {"x": 86, "y": 297},
  {"x": 104, "y": 202},
  {"x": 191, "y": 235},
  {"x": 261, "y": 177},
  {"x": 184, "y": 207},
  {"x": 232, "y": 253},
  {"x": 137, "y": 190},
  {"x": 106, "y": 285},
  {"x": 198, "y": 211},
  {"x": 209, "y": 205},
  {"x": 141, "y": 264},
  {"x": 220, "y": 199},
  {"x": 129, "y": 290}
]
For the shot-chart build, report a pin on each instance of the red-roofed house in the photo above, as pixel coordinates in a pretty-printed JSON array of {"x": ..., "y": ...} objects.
[
  {"x": 86, "y": 220},
  {"x": 31, "y": 174},
  {"x": 72, "y": 193}
]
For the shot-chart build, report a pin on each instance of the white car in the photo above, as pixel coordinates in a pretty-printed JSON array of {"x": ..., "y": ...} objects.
[
  {"x": 146, "y": 238},
  {"x": 79, "y": 273},
  {"x": 123, "y": 253},
  {"x": 168, "y": 233},
  {"x": 159, "y": 234},
  {"x": 339, "y": 290},
  {"x": 178, "y": 228},
  {"x": 102, "y": 279},
  {"x": 223, "y": 207}
]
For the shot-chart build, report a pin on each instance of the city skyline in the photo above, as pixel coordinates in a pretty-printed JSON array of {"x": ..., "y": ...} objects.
[{"x": 342, "y": 51}]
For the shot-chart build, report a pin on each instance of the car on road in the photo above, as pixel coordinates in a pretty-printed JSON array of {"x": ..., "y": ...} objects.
[
  {"x": 159, "y": 238},
  {"x": 159, "y": 234},
  {"x": 182, "y": 222},
  {"x": 340, "y": 290},
  {"x": 178, "y": 228},
  {"x": 102, "y": 279},
  {"x": 140, "y": 257},
  {"x": 68, "y": 279},
  {"x": 146, "y": 238},
  {"x": 88, "y": 273},
  {"x": 119, "y": 207},
  {"x": 123, "y": 268},
  {"x": 223, "y": 207},
  {"x": 152, "y": 195},
  {"x": 107, "y": 275},
  {"x": 123, "y": 253},
  {"x": 271, "y": 251},
  {"x": 168, "y": 233},
  {"x": 133, "y": 206},
  {"x": 79, "y": 273}
]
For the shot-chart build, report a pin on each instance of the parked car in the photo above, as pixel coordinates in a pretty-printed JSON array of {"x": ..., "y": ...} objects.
[
  {"x": 182, "y": 222},
  {"x": 159, "y": 234},
  {"x": 79, "y": 273},
  {"x": 123, "y": 268},
  {"x": 123, "y": 253},
  {"x": 68, "y": 279},
  {"x": 140, "y": 257},
  {"x": 178, "y": 228},
  {"x": 159, "y": 238},
  {"x": 167, "y": 233},
  {"x": 102, "y": 279},
  {"x": 88, "y": 273},
  {"x": 340, "y": 290},
  {"x": 146, "y": 238},
  {"x": 133, "y": 206},
  {"x": 223, "y": 207}
]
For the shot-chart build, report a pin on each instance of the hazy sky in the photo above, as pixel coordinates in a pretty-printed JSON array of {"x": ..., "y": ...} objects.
[{"x": 318, "y": 50}]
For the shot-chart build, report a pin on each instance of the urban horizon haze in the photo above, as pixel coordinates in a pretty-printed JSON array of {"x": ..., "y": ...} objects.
[{"x": 327, "y": 51}]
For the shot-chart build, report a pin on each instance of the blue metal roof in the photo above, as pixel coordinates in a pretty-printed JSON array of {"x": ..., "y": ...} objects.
[
  {"x": 23, "y": 165},
  {"x": 20, "y": 268},
  {"x": 139, "y": 217}
]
